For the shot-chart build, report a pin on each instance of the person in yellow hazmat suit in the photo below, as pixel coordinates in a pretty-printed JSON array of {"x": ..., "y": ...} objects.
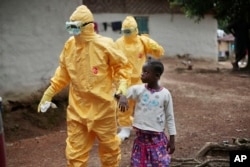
[
  {"x": 136, "y": 47},
  {"x": 86, "y": 64}
]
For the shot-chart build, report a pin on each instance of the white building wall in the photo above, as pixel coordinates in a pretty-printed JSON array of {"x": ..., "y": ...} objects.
[
  {"x": 181, "y": 35},
  {"x": 176, "y": 33},
  {"x": 32, "y": 37},
  {"x": 33, "y": 34}
]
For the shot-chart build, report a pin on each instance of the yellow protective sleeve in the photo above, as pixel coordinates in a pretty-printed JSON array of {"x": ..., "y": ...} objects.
[
  {"x": 122, "y": 88},
  {"x": 152, "y": 47},
  {"x": 58, "y": 81},
  {"x": 122, "y": 70},
  {"x": 47, "y": 96}
]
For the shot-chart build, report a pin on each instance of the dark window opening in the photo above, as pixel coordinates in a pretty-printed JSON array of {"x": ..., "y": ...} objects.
[{"x": 142, "y": 22}]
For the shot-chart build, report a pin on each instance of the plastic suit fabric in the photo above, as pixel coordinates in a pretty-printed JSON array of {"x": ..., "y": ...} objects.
[
  {"x": 86, "y": 65},
  {"x": 136, "y": 48}
]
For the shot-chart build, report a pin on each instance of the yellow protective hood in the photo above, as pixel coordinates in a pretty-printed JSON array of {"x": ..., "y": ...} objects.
[
  {"x": 83, "y": 14},
  {"x": 130, "y": 23}
]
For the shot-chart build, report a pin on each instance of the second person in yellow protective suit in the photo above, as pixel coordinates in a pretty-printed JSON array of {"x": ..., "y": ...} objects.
[
  {"x": 136, "y": 47},
  {"x": 86, "y": 65}
]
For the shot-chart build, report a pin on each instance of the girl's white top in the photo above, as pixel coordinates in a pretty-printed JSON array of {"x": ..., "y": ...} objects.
[{"x": 153, "y": 109}]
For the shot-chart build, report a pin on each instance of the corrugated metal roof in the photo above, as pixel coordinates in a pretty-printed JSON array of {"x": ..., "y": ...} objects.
[
  {"x": 130, "y": 6},
  {"x": 228, "y": 37}
]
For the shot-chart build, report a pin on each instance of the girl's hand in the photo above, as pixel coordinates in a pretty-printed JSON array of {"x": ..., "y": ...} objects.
[
  {"x": 170, "y": 148},
  {"x": 123, "y": 103},
  {"x": 171, "y": 145}
]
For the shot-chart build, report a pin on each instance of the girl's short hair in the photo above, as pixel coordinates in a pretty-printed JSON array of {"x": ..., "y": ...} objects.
[{"x": 156, "y": 65}]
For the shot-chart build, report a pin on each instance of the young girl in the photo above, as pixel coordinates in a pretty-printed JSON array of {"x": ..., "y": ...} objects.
[
  {"x": 153, "y": 110},
  {"x": 136, "y": 48}
]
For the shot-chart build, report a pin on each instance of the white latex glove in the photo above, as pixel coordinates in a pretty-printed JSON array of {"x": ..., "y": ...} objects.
[{"x": 47, "y": 105}]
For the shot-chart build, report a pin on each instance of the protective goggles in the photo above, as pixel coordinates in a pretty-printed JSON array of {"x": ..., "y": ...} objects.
[
  {"x": 74, "y": 27},
  {"x": 128, "y": 31}
]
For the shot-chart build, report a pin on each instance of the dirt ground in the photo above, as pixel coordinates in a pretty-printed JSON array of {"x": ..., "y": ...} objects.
[{"x": 211, "y": 104}]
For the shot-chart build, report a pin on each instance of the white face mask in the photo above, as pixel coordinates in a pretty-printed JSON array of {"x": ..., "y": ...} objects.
[{"x": 74, "y": 27}]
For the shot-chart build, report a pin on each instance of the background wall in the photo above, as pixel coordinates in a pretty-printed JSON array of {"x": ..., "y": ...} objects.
[
  {"x": 33, "y": 35},
  {"x": 176, "y": 33}
]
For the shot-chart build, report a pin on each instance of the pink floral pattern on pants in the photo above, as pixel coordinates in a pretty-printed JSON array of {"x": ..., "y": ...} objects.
[{"x": 150, "y": 150}]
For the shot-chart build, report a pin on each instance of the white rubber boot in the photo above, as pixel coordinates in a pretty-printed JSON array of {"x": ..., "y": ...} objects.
[{"x": 124, "y": 133}]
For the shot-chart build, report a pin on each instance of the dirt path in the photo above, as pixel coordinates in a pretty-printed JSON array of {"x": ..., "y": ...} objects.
[{"x": 211, "y": 104}]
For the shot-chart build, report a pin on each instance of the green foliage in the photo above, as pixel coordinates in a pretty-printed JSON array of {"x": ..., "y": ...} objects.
[
  {"x": 225, "y": 10},
  {"x": 222, "y": 24}
]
